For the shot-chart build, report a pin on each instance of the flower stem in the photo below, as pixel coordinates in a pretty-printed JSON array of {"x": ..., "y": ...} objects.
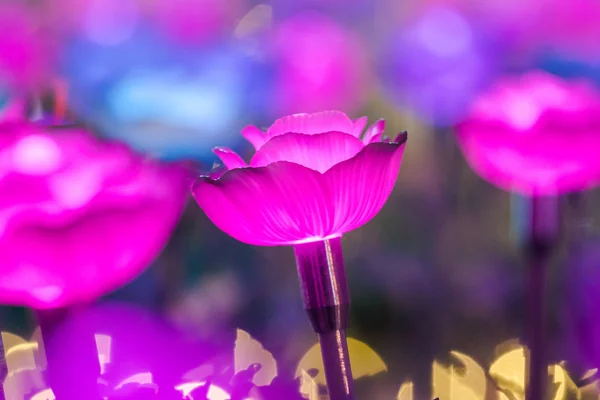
[
  {"x": 327, "y": 302},
  {"x": 539, "y": 240},
  {"x": 3, "y": 369},
  {"x": 88, "y": 369}
]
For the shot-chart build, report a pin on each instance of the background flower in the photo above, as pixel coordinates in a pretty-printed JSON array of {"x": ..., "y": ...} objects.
[
  {"x": 79, "y": 217},
  {"x": 536, "y": 134}
]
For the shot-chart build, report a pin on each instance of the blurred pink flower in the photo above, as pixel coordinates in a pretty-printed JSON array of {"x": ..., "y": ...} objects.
[
  {"x": 536, "y": 134},
  {"x": 78, "y": 217},
  {"x": 320, "y": 65},
  {"x": 312, "y": 178},
  {"x": 195, "y": 20},
  {"x": 567, "y": 26},
  {"x": 24, "y": 53}
]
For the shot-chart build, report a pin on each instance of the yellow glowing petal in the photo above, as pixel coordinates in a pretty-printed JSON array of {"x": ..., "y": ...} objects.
[
  {"x": 406, "y": 391},
  {"x": 467, "y": 382},
  {"x": 40, "y": 354},
  {"x": 47, "y": 394},
  {"x": 308, "y": 387},
  {"x": 508, "y": 371},
  {"x": 10, "y": 340},
  {"x": 565, "y": 387},
  {"x": 19, "y": 354},
  {"x": 259, "y": 17},
  {"x": 363, "y": 359},
  {"x": 249, "y": 351}
]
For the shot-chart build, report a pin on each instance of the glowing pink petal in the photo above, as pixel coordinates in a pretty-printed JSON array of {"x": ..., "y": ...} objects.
[
  {"x": 359, "y": 126},
  {"x": 24, "y": 51},
  {"x": 317, "y": 152},
  {"x": 283, "y": 203},
  {"x": 310, "y": 124},
  {"x": 230, "y": 158},
  {"x": 79, "y": 217},
  {"x": 255, "y": 136},
  {"x": 536, "y": 134},
  {"x": 374, "y": 132},
  {"x": 361, "y": 186},
  {"x": 304, "y": 186}
]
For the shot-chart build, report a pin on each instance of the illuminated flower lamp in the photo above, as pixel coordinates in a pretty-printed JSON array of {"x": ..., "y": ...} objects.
[
  {"x": 141, "y": 354},
  {"x": 515, "y": 139},
  {"x": 24, "y": 54},
  {"x": 313, "y": 178},
  {"x": 162, "y": 100},
  {"x": 80, "y": 217},
  {"x": 319, "y": 65},
  {"x": 136, "y": 351},
  {"x": 455, "y": 63}
]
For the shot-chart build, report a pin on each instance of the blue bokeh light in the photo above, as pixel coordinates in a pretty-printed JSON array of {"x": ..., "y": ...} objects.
[{"x": 173, "y": 102}]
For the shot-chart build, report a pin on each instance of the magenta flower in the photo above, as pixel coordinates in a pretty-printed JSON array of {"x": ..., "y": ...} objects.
[
  {"x": 78, "y": 217},
  {"x": 536, "y": 135},
  {"x": 191, "y": 21},
  {"x": 312, "y": 178},
  {"x": 24, "y": 52},
  {"x": 320, "y": 65}
]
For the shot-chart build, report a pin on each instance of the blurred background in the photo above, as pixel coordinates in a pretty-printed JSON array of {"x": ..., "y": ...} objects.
[{"x": 438, "y": 270}]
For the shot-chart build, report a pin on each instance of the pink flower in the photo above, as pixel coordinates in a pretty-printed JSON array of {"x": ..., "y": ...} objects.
[
  {"x": 24, "y": 53},
  {"x": 320, "y": 65},
  {"x": 537, "y": 135},
  {"x": 191, "y": 21},
  {"x": 78, "y": 217},
  {"x": 312, "y": 178}
]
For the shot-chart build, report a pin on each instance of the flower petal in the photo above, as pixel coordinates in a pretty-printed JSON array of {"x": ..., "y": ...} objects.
[
  {"x": 359, "y": 126},
  {"x": 255, "y": 136},
  {"x": 311, "y": 124},
  {"x": 361, "y": 186},
  {"x": 374, "y": 132},
  {"x": 281, "y": 204},
  {"x": 317, "y": 152},
  {"x": 230, "y": 158}
]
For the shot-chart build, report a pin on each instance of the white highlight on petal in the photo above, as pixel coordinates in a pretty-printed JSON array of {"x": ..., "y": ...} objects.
[
  {"x": 46, "y": 394},
  {"x": 103, "y": 344},
  {"x": 214, "y": 392},
  {"x": 142, "y": 378},
  {"x": 36, "y": 155},
  {"x": 75, "y": 188},
  {"x": 47, "y": 294}
]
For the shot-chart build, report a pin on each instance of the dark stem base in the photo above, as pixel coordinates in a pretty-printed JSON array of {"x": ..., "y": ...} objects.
[
  {"x": 88, "y": 370},
  {"x": 537, "y": 371},
  {"x": 334, "y": 350},
  {"x": 327, "y": 301},
  {"x": 539, "y": 239}
]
